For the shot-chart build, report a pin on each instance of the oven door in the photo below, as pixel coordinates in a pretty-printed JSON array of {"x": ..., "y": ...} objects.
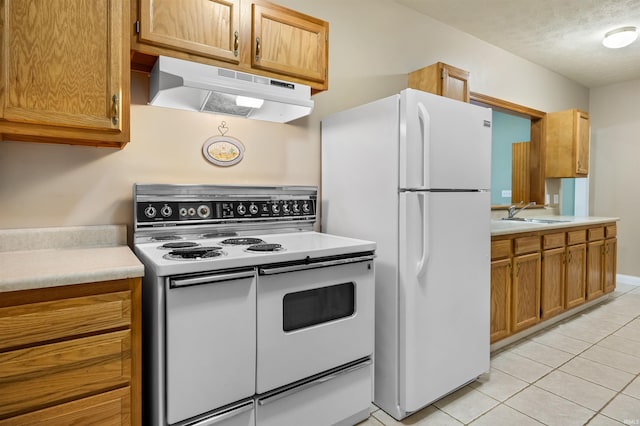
[
  {"x": 312, "y": 318},
  {"x": 210, "y": 343}
]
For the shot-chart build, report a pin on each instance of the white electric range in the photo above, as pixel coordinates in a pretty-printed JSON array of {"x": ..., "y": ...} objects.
[{"x": 250, "y": 317}]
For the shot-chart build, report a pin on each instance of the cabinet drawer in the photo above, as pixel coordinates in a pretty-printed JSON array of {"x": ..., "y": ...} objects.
[
  {"x": 576, "y": 237},
  {"x": 105, "y": 409},
  {"x": 596, "y": 233},
  {"x": 526, "y": 244},
  {"x": 550, "y": 241},
  {"x": 500, "y": 249},
  {"x": 24, "y": 325},
  {"x": 611, "y": 231},
  {"x": 35, "y": 377}
]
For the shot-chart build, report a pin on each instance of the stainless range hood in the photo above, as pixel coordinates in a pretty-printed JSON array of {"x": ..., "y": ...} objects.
[{"x": 175, "y": 83}]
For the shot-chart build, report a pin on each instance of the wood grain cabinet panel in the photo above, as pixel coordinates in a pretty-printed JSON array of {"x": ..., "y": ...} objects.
[
  {"x": 526, "y": 291},
  {"x": 576, "y": 275},
  {"x": 72, "y": 355},
  {"x": 210, "y": 28},
  {"x": 64, "y": 73},
  {"x": 610, "y": 261},
  {"x": 595, "y": 269},
  {"x": 500, "y": 299},
  {"x": 567, "y": 146},
  {"x": 441, "y": 79},
  {"x": 552, "y": 284}
]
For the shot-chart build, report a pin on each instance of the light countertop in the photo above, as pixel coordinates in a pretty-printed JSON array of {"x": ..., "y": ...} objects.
[
  {"x": 50, "y": 257},
  {"x": 504, "y": 227}
]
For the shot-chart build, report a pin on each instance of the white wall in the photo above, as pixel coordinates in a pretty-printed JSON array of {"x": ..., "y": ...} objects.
[
  {"x": 373, "y": 45},
  {"x": 614, "y": 176}
]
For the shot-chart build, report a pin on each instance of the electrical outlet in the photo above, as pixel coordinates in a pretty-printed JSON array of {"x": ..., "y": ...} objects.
[
  {"x": 506, "y": 193},
  {"x": 555, "y": 199}
]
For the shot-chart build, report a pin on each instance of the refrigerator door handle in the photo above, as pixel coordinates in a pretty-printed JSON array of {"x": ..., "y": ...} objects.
[
  {"x": 424, "y": 257},
  {"x": 425, "y": 129}
]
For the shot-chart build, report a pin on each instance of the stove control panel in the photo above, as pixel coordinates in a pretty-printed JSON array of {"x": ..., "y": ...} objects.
[{"x": 172, "y": 212}]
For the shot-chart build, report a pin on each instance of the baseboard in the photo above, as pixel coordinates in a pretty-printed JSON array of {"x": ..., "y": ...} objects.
[{"x": 628, "y": 279}]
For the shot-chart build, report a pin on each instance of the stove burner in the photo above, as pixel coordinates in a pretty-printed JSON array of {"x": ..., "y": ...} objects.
[
  {"x": 194, "y": 253},
  {"x": 166, "y": 238},
  {"x": 265, "y": 247},
  {"x": 179, "y": 244},
  {"x": 240, "y": 241}
]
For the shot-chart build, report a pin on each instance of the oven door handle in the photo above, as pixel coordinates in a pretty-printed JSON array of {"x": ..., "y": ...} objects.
[
  {"x": 211, "y": 279},
  {"x": 318, "y": 381},
  {"x": 234, "y": 411},
  {"x": 314, "y": 265}
]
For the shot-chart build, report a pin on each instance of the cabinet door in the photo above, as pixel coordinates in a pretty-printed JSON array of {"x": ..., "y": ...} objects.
[
  {"x": 552, "y": 286},
  {"x": 595, "y": 269},
  {"x": 455, "y": 83},
  {"x": 610, "y": 257},
  {"x": 289, "y": 43},
  {"x": 526, "y": 291},
  {"x": 65, "y": 70},
  {"x": 582, "y": 143},
  {"x": 500, "y": 299},
  {"x": 576, "y": 275},
  {"x": 208, "y": 28}
]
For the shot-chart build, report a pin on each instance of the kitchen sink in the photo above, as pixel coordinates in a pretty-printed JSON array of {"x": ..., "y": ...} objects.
[{"x": 533, "y": 220}]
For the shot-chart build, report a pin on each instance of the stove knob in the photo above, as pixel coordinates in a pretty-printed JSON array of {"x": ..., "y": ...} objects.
[
  {"x": 150, "y": 212},
  {"x": 166, "y": 211},
  {"x": 275, "y": 208},
  {"x": 241, "y": 209},
  {"x": 204, "y": 211},
  {"x": 296, "y": 208},
  {"x": 191, "y": 211},
  {"x": 306, "y": 208},
  {"x": 183, "y": 212},
  {"x": 253, "y": 209},
  {"x": 285, "y": 208}
]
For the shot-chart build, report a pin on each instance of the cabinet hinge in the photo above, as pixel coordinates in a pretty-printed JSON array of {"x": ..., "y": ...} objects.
[{"x": 137, "y": 27}]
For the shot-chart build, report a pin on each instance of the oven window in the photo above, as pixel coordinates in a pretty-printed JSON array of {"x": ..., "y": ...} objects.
[{"x": 310, "y": 307}]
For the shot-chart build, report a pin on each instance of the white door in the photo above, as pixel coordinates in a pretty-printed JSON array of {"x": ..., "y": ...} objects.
[
  {"x": 211, "y": 342},
  {"x": 444, "y": 293},
  {"x": 446, "y": 143},
  {"x": 312, "y": 320}
]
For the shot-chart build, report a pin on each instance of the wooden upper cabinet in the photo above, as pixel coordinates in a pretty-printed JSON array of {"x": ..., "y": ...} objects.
[
  {"x": 252, "y": 36},
  {"x": 441, "y": 79},
  {"x": 288, "y": 42},
  {"x": 567, "y": 145},
  {"x": 210, "y": 28},
  {"x": 64, "y": 73}
]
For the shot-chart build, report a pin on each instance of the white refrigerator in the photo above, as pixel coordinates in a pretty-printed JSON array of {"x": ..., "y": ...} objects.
[{"x": 412, "y": 172}]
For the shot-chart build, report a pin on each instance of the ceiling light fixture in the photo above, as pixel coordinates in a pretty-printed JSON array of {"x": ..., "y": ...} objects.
[{"x": 620, "y": 37}]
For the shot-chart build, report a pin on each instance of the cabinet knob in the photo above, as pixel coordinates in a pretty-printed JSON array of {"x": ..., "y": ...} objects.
[
  {"x": 235, "y": 43},
  {"x": 257, "y": 49}
]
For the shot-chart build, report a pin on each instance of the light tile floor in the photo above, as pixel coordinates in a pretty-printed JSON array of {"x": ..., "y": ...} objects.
[{"x": 584, "y": 370}]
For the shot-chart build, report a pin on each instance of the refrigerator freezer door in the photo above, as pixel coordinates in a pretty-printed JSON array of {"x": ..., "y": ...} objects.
[
  {"x": 444, "y": 293},
  {"x": 444, "y": 144}
]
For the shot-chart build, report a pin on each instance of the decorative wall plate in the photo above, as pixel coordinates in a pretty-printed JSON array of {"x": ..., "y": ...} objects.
[{"x": 223, "y": 150}]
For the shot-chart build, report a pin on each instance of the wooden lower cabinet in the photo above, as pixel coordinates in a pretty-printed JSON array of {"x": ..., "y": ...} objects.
[
  {"x": 610, "y": 258},
  {"x": 537, "y": 275},
  {"x": 71, "y": 355},
  {"x": 500, "y": 299},
  {"x": 526, "y": 291},
  {"x": 552, "y": 282},
  {"x": 595, "y": 269},
  {"x": 576, "y": 275}
]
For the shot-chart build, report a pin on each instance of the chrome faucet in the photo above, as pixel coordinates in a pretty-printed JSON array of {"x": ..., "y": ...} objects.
[{"x": 513, "y": 211}]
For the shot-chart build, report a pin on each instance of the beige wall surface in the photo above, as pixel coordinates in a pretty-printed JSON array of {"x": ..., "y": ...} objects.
[
  {"x": 373, "y": 45},
  {"x": 614, "y": 175}
]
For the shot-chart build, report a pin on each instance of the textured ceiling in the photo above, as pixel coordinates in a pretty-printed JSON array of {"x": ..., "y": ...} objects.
[{"x": 561, "y": 35}]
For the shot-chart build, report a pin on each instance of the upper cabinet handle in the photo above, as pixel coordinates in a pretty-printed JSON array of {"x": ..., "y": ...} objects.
[
  {"x": 114, "y": 110},
  {"x": 257, "y": 49},
  {"x": 235, "y": 43}
]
